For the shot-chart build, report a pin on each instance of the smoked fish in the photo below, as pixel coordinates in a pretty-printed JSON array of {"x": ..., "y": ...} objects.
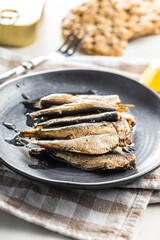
[
  {"x": 121, "y": 128},
  {"x": 88, "y": 106},
  {"x": 106, "y": 161},
  {"x": 94, "y": 144},
  {"x": 106, "y": 116},
  {"x": 65, "y": 98}
]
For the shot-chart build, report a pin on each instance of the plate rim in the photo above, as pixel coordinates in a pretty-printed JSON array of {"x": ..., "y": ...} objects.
[
  {"x": 63, "y": 183},
  {"x": 116, "y": 182}
]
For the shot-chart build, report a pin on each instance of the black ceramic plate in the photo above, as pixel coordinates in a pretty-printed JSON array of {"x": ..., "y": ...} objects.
[{"x": 146, "y": 134}]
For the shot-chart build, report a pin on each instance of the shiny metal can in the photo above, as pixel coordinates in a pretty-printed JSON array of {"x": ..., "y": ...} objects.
[{"x": 19, "y": 21}]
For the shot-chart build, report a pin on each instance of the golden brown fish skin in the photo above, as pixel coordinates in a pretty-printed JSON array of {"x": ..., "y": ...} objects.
[
  {"x": 108, "y": 161},
  {"x": 71, "y": 132},
  {"x": 76, "y": 108},
  {"x": 96, "y": 144},
  {"x": 121, "y": 128},
  {"x": 106, "y": 116},
  {"x": 65, "y": 98}
]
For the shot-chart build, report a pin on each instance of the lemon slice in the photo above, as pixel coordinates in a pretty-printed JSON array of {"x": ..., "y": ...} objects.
[{"x": 151, "y": 77}]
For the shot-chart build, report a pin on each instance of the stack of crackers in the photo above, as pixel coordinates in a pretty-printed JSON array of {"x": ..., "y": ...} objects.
[{"x": 110, "y": 24}]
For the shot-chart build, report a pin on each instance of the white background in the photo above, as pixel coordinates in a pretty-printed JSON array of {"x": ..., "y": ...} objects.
[{"x": 49, "y": 39}]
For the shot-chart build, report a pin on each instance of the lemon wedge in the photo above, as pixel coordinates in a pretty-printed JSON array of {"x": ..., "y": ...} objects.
[{"x": 151, "y": 77}]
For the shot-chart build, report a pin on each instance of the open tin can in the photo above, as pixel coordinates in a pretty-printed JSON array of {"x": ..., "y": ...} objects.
[{"x": 19, "y": 21}]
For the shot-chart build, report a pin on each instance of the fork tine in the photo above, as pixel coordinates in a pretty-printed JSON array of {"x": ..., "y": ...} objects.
[
  {"x": 67, "y": 40},
  {"x": 77, "y": 47},
  {"x": 74, "y": 44}
]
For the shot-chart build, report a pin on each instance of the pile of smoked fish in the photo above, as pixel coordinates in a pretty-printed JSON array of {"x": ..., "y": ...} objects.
[{"x": 91, "y": 132}]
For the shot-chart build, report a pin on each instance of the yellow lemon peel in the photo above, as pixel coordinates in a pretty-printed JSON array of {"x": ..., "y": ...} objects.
[{"x": 151, "y": 77}]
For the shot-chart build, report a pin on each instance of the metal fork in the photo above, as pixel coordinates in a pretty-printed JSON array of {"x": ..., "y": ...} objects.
[{"x": 71, "y": 45}]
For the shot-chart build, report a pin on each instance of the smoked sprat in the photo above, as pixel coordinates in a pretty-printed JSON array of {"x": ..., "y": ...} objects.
[{"x": 90, "y": 132}]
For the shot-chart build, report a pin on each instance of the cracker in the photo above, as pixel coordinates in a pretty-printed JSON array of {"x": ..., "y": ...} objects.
[
  {"x": 111, "y": 23},
  {"x": 143, "y": 16},
  {"x": 105, "y": 34}
]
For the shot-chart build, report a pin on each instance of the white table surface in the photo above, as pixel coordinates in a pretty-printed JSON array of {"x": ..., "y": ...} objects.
[{"x": 49, "y": 39}]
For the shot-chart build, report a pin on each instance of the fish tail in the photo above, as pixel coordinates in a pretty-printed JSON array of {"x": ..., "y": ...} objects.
[
  {"x": 23, "y": 139},
  {"x": 122, "y": 110},
  {"x": 32, "y": 105},
  {"x": 28, "y": 141},
  {"x": 28, "y": 133},
  {"x": 125, "y": 105}
]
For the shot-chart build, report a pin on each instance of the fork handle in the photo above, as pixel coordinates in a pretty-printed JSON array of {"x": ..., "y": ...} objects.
[{"x": 21, "y": 69}]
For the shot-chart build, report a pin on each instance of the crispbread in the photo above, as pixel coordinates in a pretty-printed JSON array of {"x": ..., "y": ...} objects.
[
  {"x": 111, "y": 23},
  {"x": 105, "y": 36}
]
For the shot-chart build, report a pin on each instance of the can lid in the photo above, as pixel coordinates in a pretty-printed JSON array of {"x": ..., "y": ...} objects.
[
  {"x": 19, "y": 13},
  {"x": 8, "y": 16}
]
